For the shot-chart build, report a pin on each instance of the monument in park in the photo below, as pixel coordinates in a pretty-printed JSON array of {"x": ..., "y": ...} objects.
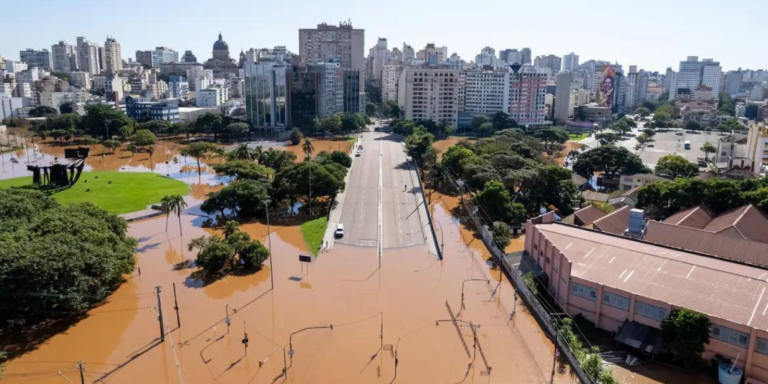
[{"x": 62, "y": 175}]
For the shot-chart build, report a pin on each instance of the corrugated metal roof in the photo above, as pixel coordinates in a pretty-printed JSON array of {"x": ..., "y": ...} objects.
[
  {"x": 716, "y": 287},
  {"x": 588, "y": 214},
  {"x": 694, "y": 217},
  {"x": 616, "y": 222}
]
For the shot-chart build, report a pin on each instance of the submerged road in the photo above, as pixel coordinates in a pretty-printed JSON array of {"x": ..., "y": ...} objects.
[{"x": 382, "y": 190}]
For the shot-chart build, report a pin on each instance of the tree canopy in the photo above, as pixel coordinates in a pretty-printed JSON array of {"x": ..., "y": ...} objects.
[
  {"x": 720, "y": 195},
  {"x": 685, "y": 333},
  {"x": 674, "y": 166},
  {"x": 551, "y": 135},
  {"x": 609, "y": 159},
  {"x": 244, "y": 198},
  {"x": 99, "y": 118},
  {"x": 58, "y": 258},
  {"x": 143, "y": 138},
  {"x": 607, "y": 138},
  {"x": 235, "y": 252},
  {"x": 417, "y": 144},
  {"x": 243, "y": 169}
]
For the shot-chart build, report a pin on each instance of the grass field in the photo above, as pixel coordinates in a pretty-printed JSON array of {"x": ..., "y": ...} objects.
[
  {"x": 578, "y": 136},
  {"x": 313, "y": 233},
  {"x": 128, "y": 192}
]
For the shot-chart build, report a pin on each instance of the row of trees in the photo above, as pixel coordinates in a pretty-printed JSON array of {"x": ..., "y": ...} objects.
[
  {"x": 720, "y": 195},
  {"x": 339, "y": 123}
]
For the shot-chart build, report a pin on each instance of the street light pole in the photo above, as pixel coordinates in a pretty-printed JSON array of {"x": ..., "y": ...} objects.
[
  {"x": 269, "y": 241},
  {"x": 462, "y": 293}
]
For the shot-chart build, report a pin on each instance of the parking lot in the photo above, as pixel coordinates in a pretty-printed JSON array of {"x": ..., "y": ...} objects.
[{"x": 669, "y": 143}]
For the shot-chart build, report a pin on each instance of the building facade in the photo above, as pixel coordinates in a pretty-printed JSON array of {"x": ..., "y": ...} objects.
[
  {"x": 151, "y": 110},
  {"x": 113, "y": 57},
  {"x": 486, "y": 91},
  {"x": 37, "y": 59},
  {"x": 64, "y": 57},
  {"x": 266, "y": 96},
  {"x": 80, "y": 80},
  {"x": 426, "y": 93},
  {"x": 88, "y": 57},
  {"x": 389, "y": 79},
  {"x": 570, "y": 62},
  {"x": 178, "y": 87},
  {"x": 162, "y": 55},
  {"x": 563, "y": 97},
  {"x": 527, "y": 96},
  {"x": 144, "y": 58},
  {"x": 554, "y": 63}
]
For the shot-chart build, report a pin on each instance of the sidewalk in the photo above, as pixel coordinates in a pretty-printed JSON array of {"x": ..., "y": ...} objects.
[
  {"x": 421, "y": 203},
  {"x": 335, "y": 215}
]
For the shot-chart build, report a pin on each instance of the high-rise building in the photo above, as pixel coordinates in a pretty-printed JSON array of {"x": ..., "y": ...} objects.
[
  {"x": 389, "y": 79},
  {"x": 526, "y": 55},
  {"x": 429, "y": 93},
  {"x": 408, "y": 54},
  {"x": 113, "y": 57},
  {"x": 570, "y": 62},
  {"x": 303, "y": 88},
  {"x": 39, "y": 59},
  {"x": 377, "y": 57},
  {"x": 178, "y": 87},
  {"x": 712, "y": 75},
  {"x": 563, "y": 96},
  {"x": 486, "y": 91},
  {"x": 694, "y": 73},
  {"x": 163, "y": 55},
  {"x": 88, "y": 56},
  {"x": 331, "y": 92},
  {"x": 188, "y": 57},
  {"x": 352, "y": 94},
  {"x": 733, "y": 82},
  {"x": 635, "y": 88},
  {"x": 64, "y": 57},
  {"x": 527, "y": 94},
  {"x": 487, "y": 57},
  {"x": 265, "y": 94},
  {"x": 329, "y": 43},
  {"x": 511, "y": 56},
  {"x": 80, "y": 80},
  {"x": 554, "y": 63},
  {"x": 144, "y": 58}
]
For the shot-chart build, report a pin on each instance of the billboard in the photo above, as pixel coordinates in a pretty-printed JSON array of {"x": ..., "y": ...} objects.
[{"x": 607, "y": 85}]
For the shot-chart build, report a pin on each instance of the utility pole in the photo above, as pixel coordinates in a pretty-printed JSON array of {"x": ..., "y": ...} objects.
[
  {"x": 269, "y": 239},
  {"x": 160, "y": 314},
  {"x": 176, "y": 306},
  {"x": 82, "y": 376}
]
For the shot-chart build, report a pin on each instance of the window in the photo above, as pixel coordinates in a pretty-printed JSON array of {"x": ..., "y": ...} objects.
[
  {"x": 732, "y": 336},
  {"x": 650, "y": 311},
  {"x": 616, "y": 301},
  {"x": 762, "y": 346},
  {"x": 588, "y": 293}
]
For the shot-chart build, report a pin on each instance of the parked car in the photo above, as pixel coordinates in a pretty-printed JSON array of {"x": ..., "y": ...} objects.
[{"x": 339, "y": 233}]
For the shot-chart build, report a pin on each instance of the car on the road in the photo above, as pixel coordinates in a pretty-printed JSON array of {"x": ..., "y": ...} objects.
[
  {"x": 650, "y": 145},
  {"x": 339, "y": 233},
  {"x": 679, "y": 134},
  {"x": 358, "y": 153}
]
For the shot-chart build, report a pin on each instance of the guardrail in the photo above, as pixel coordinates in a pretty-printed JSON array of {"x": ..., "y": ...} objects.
[{"x": 429, "y": 214}]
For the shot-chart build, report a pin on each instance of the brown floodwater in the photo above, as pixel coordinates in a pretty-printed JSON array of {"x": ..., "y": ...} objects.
[
  {"x": 403, "y": 294},
  {"x": 443, "y": 145},
  {"x": 319, "y": 146}
]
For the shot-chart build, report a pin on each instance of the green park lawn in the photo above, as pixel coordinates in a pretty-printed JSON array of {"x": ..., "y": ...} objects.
[
  {"x": 313, "y": 232},
  {"x": 578, "y": 136},
  {"x": 128, "y": 192}
]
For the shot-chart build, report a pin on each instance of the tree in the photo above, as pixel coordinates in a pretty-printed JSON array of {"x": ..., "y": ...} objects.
[
  {"x": 241, "y": 152},
  {"x": 74, "y": 256},
  {"x": 685, "y": 333},
  {"x": 674, "y": 166},
  {"x": 295, "y": 136},
  {"x": 125, "y": 132},
  {"x": 370, "y": 108},
  {"x": 67, "y": 107},
  {"x": 165, "y": 207},
  {"x": 502, "y": 121},
  {"x": 642, "y": 111},
  {"x": 235, "y": 252},
  {"x": 177, "y": 205},
  {"x": 143, "y": 137},
  {"x": 243, "y": 169},
  {"x": 61, "y": 75},
  {"x": 245, "y": 198},
  {"x": 237, "y": 130},
  {"x": 580, "y": 113},
  {"x": 641, "y": 139},
  {"x": 454, "y": 158},
  {"x": 692, "y": 125},
  {"x": 88, "y": 140},
  {"x": 276, "y": 160},
  {"x": 308, "y": 148},
  {"x": 404, "y": 127},
  {"x": 100, "y": 119},
  {"x": 394, "y": 110},
  {"x": 607, "y": 138},
  {"x": 649, "y": 133},
  {"x": 199, "y": 150},
  {"x": 294, "y": 182},
  {"x": 498, "y": 204},
  {"x": 132, "y": 148},
  {"x": 611, "y": 160},
  {"x": 209, "y": 123},
  {"x": 331, "y": 124},
  {"x": 479, "y": 120},
  {"x": 708, "y": 148},
  {"x": 111, "y": 145},
  {"x": 338, "y": 157},
  {"x": 349, "y": 123},
  {"x": 551, "y": 135},
  {"x": 417, "y": 144},
  {"x": 621, "y": 127},
  {"x": 725, "y": 104},
  {"x": 42, "y": 110},
  {"x": 501, "y": 235},
  {"x": 730, "y": 125}
]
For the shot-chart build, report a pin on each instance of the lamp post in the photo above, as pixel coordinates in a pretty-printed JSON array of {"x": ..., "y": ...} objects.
[{"x": 462, "y": 293}]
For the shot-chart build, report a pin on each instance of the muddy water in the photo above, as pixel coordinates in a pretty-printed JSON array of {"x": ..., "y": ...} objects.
[
  {"x": 319, "y": 146},
  {"x": 165, "y": 160},
  {"x": 443, "y": 145},
  {"x": 344, "y": 287}
]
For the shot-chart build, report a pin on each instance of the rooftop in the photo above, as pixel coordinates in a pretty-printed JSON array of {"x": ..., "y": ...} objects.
[
  {"x": 746, "y": 222},
  {"x": 718, "y": 288},
  {"x": 615, "y": 222}
]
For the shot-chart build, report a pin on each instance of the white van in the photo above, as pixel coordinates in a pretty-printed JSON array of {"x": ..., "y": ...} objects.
[{"x": 339, "y": 231}]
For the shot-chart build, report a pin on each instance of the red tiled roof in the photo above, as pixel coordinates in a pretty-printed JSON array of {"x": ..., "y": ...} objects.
[
  {"x": 723, "y": 246},
  {"x": 726, "y": 290},
  {"x": 745, "y": 222},
  {"x": 588, "y": 214},
  {"x": 695, "y": 217},
  {"x": 615, "y": 222}
]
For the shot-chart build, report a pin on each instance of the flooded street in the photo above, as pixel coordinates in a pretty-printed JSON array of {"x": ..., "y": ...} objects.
[{"x": 118, "y": 341}]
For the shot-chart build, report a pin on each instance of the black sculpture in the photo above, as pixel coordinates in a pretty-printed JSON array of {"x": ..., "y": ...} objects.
[{"x": 56, "y": 174}]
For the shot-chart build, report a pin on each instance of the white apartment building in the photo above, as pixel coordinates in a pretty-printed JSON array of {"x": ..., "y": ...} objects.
[
  {"x": 178, "y": 88},
  {"x": 7, "y": 89},
  {"x": 389, "y": 80},
  {"x": 527, "y": 96},
  {"x": 88, "y": 56},
  {"x": 164, "y": 55},
  {"x": 429, "y": 94},
  {"x": 211, "y": 97},
  {"x": 55, "y": 99},
  {"x": 757, "y": 147},
  {"x": 113, "y": 58},
  {"x": 377, "y": 57},
  {"x": 327, "y": 43},
  {"x": 636, "y": 88},
  {"x": 563, "y": 97},
  {"x": 64, "y": 57},
  {"x": 712, "y": 75},
  {"x": 570, "y": 62},
  {"x": 236, "y": 87},
  {"x": 12, "y": 66},
  {"x": 331, "y": 92},
  {"x": 408, "y": 54},
  {"x": 486, "y": 91},
  {"x": 10, "y": 106},
  {"x": 80, "y": 80}
]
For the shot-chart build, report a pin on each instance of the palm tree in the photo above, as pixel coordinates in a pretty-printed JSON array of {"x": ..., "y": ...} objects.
[
  {"x": 308, "y": 148},
  {"x": 242, "y": 152},
  {"x": 165, "y": 206},
  {"x": 177, "y": 205}
]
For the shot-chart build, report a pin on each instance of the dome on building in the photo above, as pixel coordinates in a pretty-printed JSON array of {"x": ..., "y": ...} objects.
[{"x": 220, "y": 45}]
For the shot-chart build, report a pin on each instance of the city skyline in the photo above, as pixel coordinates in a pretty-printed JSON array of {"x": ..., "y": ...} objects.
[{"x": 651, "y": 37}]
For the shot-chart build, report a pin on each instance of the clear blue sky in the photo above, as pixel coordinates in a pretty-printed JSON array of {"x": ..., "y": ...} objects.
[{"x": 653, "y": 34}]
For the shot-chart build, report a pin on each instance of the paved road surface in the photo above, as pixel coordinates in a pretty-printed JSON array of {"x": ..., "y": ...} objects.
[{"x": 382, "y": 168}]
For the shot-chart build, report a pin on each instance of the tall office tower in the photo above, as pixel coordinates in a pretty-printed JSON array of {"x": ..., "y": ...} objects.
[
  {"x": 64, "y": 57},
  {"x": 408, "y": 54},
  {"x": 562, "y": 96},
  {"x": 429, "y": 93},
  {"x": 526, "y": 55},
  {"x": 164, "y": 55},
  {"x": 377, "y": 59},
  {"x": 527, "y": 96},
  {"x": 554, "y": 63},
  {"x": 144, "y": 58},
  {"x": 570, "y": 62},
  {"x": 112, "y": 56}
]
